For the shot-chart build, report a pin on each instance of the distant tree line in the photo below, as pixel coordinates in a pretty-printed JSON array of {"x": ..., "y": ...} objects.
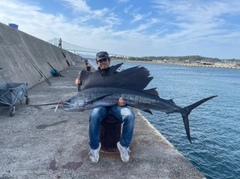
[{"x": 178, "y": 59}]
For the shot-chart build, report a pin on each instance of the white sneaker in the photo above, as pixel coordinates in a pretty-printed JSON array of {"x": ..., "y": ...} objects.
[
  {"x": 94, "y": 154},
  {"x": 124, "y": 152}
]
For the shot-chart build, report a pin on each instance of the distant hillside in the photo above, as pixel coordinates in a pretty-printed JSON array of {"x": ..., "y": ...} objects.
[{"x": 179, "y": 59}]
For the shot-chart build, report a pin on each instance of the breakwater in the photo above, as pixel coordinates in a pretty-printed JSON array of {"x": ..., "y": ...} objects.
[{"x": 26, "y": 59}]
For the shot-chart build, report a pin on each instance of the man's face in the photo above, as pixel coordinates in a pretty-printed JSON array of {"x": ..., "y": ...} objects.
[{"x": 103, "y": 64}]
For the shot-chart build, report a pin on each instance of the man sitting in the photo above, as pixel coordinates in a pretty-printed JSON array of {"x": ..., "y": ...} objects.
[{"x": 120, "y": 111}]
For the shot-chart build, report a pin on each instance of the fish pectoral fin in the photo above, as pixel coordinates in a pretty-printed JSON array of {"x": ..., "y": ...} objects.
[
  {"x": 99, "y": 98},
  {"x": 148, "y": 111}
]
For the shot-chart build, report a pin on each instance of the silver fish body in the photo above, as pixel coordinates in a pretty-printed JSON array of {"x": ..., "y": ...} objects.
[
  {"x": 145, "y": 100},
  {"x": 94, "y": 97},
  {"x": 105, "y": 89}
]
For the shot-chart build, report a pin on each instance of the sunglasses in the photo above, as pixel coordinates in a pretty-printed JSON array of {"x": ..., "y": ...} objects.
[{"x": 102, "y": 60}]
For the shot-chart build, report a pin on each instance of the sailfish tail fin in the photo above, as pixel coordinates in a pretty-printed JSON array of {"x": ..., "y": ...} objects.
[{"x": 187, "y": 110}]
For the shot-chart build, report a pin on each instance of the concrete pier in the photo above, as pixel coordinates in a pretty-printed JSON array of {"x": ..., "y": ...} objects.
[{"x": 40, "y": 143}]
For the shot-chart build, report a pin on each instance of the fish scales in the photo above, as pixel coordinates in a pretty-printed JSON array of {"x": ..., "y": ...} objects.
[{"x": 130, "y": 84}]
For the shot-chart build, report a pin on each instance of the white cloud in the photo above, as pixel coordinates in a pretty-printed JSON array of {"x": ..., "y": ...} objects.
[
  {"x": 137, "y": 17},
  {"x": 30, "y": 19},
  {"x": 180, "y": 28},
  {"x": 84, "y": 13},
  {"x": 140, "y": 17},
  {"x": 127, "y": 9},
  {"x": 198, "y": 22},
  {"x": 79, "y": 6},
  {"x": 123, "y": 1}
]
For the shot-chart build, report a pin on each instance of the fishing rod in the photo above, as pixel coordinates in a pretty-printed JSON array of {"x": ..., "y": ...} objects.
[
  {"x": 38, "y": 69},
  {"x": 35, "y": 66}
]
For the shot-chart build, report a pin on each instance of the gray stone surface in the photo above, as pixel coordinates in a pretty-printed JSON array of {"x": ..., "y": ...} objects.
[
  {"x": 21, "y": 54},
  {"x": 40, "y": 143}
]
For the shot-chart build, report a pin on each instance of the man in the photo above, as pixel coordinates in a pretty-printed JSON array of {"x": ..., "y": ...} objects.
[
  {"x": 121, "y": 111},
  {"x": 60, "y": 43}
]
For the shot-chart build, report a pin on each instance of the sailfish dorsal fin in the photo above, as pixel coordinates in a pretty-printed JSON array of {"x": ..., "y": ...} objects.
[{"x": 136, "y": 78}]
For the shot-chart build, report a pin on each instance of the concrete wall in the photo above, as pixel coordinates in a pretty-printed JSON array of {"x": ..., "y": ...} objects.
[{"x": 22, "y": 54}]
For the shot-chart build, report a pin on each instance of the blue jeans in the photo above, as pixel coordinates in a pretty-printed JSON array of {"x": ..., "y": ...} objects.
[{"x": 122, "y": 113}]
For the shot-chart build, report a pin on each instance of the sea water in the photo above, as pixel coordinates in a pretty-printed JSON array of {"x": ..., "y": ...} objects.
[{"x": 214, "y": 125}]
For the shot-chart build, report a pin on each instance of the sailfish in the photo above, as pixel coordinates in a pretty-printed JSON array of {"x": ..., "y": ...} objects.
[{"x": 105, "y": 90}]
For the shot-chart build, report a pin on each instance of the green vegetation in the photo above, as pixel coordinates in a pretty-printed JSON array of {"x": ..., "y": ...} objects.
[{"x": 178, "y": 59}]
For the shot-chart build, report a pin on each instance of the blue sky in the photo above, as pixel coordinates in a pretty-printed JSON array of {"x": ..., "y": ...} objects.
[{"x": 209, "y": 28}]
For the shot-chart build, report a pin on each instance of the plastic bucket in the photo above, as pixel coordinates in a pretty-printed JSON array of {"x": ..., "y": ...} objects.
[{"x": 14, "y": 26}]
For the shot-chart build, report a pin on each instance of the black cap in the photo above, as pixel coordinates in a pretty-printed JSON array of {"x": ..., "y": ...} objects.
[{"x": 102, "y": 55}]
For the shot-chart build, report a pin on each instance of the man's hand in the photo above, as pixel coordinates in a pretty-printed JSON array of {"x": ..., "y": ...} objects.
[
  {"x": 121, "y": 102},
  {"x": 77, "y": 81}
]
